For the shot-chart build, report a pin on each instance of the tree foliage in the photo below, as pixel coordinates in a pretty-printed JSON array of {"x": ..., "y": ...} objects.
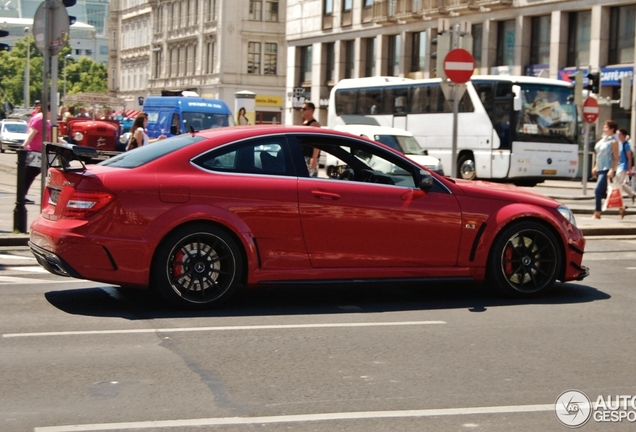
[{"x": 82, "y": 75}]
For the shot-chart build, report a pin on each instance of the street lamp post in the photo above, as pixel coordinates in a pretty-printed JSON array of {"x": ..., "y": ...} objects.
[
  {"x": 27, "y": 78},
  {"x": 67, "y": 56}
]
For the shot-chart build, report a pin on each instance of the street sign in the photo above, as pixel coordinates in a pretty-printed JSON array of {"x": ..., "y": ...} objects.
[
  {"x": 299, "y": 97},
  {"x": 590, "y": 110},
  {"x": 459, "y": 65},
  {"x": 58, "y": 30}
]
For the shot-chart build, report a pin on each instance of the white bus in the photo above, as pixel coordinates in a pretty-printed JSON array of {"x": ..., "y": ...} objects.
[{"x": 521, "y": 129}]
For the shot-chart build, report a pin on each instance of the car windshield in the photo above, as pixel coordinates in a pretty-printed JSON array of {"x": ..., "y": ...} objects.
[
  {"x": 15, "y": 127},
  {"x": 148, "y": 153},
  {"x": 401, "y": 143}
]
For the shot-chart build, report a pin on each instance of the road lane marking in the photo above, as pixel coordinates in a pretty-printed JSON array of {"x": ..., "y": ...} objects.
[
  {"x": 17, "y": 257},
  {"x": 362, "y": 415},
  {"x": 225, "y": 328},
  {"x": 29, "y": 269},
  {"x": 4, "y": 280}
]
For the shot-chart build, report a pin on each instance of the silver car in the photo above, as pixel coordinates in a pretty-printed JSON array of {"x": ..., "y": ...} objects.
[{"x": 12, "y": 134}]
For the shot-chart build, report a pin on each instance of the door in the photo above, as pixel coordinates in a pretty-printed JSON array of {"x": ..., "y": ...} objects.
[{"x": 371, "y": 214}]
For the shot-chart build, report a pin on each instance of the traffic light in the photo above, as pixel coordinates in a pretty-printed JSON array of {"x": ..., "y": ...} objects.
[
  {"x": 4, "y": 47},
  {"x": 577, "y": 80},
  {"x": 68, "y": 4},
  {"x": 443, "y": 43},
  {"x": 594, "y": 82}
]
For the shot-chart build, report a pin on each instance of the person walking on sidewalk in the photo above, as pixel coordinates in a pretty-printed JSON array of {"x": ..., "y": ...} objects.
[
  {"x": 624, "y": 167},
  {"x": 33, "y": 143},
  {"x": 607, "y": 156}
]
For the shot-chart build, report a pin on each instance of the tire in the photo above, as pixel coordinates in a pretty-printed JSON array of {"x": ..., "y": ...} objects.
[
  {"x": 466, "y": 167},
  {"x": 198, "y": 266},
  {"x": 525, "y": 260}
]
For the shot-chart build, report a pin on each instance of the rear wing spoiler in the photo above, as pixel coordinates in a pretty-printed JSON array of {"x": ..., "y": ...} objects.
[{"x": 62, "y": 155}]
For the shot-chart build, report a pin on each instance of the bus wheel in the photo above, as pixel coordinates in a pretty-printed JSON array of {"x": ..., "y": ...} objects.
[{"x": 466, "y": 167}]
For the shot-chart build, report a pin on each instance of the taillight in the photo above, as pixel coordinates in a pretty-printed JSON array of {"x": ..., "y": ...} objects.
[{"x": 84, "y": 204}]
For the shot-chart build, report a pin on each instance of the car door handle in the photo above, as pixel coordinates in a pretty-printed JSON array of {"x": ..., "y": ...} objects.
[{"x": 327, "y": 195}]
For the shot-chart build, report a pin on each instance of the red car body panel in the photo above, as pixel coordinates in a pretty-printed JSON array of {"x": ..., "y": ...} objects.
[{"x": 290, "y": 228}]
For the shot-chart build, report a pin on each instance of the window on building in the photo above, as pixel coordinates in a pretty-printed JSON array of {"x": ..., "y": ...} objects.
[
  {"x": 367, "y": 11},
  {"x": 418, "y": 53},
  {"x": 330, "y": 62},
  {"x": 271, "y": 10},
  {"x": 113, "y": 79},
  {"x": 579, "y": 28},
  {"x": 256, "y": 10},
  {"x": 157, "y": 65},
  {"x": 506, "y": 43},
  {"x": 210, "y": 10},
  {"x": 328, "y": 5},
  {"x": 621, "y": 42},
  {"x": 194, "y": 10},
  {"x": 395, "y": 48},
  {"x": 103, "y": 50},
  {"x": 346, "y": 16},
  {"x": 477, "y": 31},
  {"x": 349, "y": 56},
  {"x": 369, "y": 61},
  {"x": 347, "y": 5},
  {"x": 175, "y": 15},
  {"x": 254, "y": 58},
  {"x": 540, "y": 40},
  {"x": 78, "y": 52},
  {"x": 305, "y": 63},
  {"x": 173, "y": 63},
  {"x": 209, "y": 57},
  {"x": 271, "y": 58}
]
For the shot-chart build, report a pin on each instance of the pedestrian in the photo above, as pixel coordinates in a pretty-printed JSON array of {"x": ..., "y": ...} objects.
[
  {"x": 311, "y": 153},
  {"x": 138, "y": 136},
  {"x": 607, "y": 157},
  {"x": 33, "y": 144},
  {"x": 625, "y": 167}
]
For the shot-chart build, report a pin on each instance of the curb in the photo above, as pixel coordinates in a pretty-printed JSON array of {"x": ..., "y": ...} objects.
[{"x": 14, "y": 239}]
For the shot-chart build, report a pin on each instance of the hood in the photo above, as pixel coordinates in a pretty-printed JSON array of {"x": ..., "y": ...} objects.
[{"x": 504, "y": 192}]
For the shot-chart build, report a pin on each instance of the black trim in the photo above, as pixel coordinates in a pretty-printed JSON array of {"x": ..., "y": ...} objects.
[
  {"x": 53, "y": 263},
  {"x": 473, "y": 250},
  {"x": 366, "y": 281}
]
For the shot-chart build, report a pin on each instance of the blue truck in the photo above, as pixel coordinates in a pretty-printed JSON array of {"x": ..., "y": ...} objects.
[{"x": 174, "y": 115}]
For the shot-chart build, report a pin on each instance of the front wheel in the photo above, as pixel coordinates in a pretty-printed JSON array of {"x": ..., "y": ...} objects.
[
  {"x": 198, "y": 266},
  {"x": 525, "y": 260}
]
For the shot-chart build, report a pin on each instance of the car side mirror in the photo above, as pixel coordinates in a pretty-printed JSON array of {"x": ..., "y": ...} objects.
[{"x": 426, "y": 180}]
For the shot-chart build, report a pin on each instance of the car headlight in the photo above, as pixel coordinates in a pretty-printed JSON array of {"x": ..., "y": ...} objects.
[{"x": 567, "y": 214}]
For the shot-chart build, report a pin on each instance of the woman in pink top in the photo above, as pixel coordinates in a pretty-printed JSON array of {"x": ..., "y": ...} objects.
[{"x": 33, "y": 143}]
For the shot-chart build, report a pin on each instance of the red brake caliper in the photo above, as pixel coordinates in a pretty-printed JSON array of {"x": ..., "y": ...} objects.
[{"x": 508, "y": 260}]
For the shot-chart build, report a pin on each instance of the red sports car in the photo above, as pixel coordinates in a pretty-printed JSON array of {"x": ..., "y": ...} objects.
[{"x": 199, "y": 215}]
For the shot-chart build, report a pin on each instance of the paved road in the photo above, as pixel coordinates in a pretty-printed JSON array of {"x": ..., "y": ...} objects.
[{"x": 409, "y": 358}]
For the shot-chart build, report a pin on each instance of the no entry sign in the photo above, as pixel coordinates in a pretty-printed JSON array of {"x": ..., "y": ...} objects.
[
  {"x": 590, "y": 110},
  {"x": 459, "y": 65}
]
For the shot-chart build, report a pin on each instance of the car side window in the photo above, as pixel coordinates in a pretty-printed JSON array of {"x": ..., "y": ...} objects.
[
  {"x": 262, "y": 156},
  {"x": 360, "y": 161}
]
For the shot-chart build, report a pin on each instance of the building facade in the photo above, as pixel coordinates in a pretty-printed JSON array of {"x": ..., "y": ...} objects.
[
  {"x": 329, "y": 40},
  {"x": 215, "y": 47}
]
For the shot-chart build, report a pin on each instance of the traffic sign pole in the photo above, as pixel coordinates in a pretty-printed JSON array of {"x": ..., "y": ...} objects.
[
  {"x": 458, "y": 67},
  {"x": 590, "y": 115}
]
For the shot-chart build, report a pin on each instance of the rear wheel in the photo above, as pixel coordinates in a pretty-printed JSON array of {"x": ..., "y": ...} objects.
[
  {"x": 525, "y": 260},
  {"x": 198, "y": 266},
  {"x": 466, "y": 167}
]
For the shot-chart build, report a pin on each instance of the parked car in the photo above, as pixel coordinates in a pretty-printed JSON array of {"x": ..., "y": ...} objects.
[
  {"x": 12, "y": 134},
  {"x": 201, "y": 215},
  {"x": 398, "y": 139}
]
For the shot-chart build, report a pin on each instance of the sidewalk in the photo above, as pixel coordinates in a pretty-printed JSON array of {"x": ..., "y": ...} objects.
[{"x": 569, "y": 193}]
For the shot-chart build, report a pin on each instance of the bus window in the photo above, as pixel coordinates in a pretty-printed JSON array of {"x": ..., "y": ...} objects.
[
  {"x": 346, "y": 102},
  {"x": 370, "y": 102},
  {"x": 396, "y": 100}
]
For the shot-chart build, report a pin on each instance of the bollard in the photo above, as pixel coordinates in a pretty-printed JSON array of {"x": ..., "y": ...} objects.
[{"x": 20, "y": 211}]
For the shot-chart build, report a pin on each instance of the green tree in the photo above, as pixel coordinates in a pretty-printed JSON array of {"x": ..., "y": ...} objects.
[{"x": 83, "y": 75}]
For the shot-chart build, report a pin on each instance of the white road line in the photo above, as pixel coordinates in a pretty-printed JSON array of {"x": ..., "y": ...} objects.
[
  {"x": 225, "y": 328},
  {"x": 222, "y": 421},
  {"x": 17, "y": 257},
  {"x": 4, "y": 280},
  {"x": 29, "y": 269}
]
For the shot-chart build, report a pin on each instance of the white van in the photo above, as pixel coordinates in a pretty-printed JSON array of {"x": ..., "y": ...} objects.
[{"x": 398, "y": 139}]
